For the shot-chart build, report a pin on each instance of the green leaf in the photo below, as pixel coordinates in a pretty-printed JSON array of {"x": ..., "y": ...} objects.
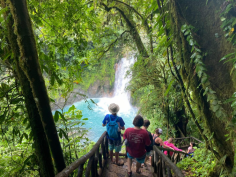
[
  {"x": 56, "y": 116},
  {"x": 183, "y": 28},
  {"x": 52, "y": 100},
  {"x": 15, "y": 101},
  {"x": 64, "y": 134},
  {"x": 85, "y": 119},
  {"x": 193, "y": 55},
  {"x": 191, "y": 42},
  {"x": 6, "y": 56},
  {"x": 215, "y": 108},
  {"x": 204, "y": 79},
  {"x": 60, "y": 134},
  {"x": 20, "y": 141},
  {"x": 168, "y": 88},
  {"x": 206, "y": 90},
  {"x": 72, "y": 108},
  {"x": 62, "y": 116},
  {"x": 25, "y": 135},
  {"x": 2, "y": 118},
  {"x": 226, "y": 56},
  {"x": 219, "y": 113}
]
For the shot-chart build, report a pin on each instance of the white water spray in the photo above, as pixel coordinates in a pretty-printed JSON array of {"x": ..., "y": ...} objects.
[{"x": 121, "y": 96}]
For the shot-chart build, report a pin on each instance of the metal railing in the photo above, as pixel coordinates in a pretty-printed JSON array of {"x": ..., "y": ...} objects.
[{"x": 96, "y": 156}]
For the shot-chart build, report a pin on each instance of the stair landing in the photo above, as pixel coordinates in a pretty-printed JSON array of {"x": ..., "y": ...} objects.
[{"x": 112, "y": 170}]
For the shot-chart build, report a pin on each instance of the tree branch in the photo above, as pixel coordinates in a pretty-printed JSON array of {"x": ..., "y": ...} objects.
[{"x": 112, "y": 44}]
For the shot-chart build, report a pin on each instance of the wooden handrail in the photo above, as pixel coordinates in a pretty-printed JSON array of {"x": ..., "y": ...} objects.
[
  {"x": 79, "y": 163},
  {"x": 196, "y": 139},
  {"x": 188, "y": 138},
  {"x": 182, "y": 138},
  {"x": 160, "y": 169}
]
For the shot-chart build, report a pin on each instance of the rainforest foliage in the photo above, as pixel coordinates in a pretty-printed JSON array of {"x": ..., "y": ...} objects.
[{"x": 183, "y": 79}]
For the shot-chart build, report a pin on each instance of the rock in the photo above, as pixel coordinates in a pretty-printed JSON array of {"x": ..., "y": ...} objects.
[{"x": 97, "y": 90}]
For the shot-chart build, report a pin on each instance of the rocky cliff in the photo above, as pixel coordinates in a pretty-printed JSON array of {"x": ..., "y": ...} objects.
[{"x": 97, "y": 90}]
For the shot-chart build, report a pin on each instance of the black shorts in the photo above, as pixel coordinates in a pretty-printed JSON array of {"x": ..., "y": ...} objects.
[{"x": 114, "y": 142}]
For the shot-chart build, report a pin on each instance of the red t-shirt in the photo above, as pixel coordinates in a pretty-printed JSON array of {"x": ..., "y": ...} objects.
[{"x": 137, "y": 140}]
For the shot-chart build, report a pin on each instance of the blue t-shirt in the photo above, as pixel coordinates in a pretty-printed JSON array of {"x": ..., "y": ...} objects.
[{"x": 113, "y": 117}]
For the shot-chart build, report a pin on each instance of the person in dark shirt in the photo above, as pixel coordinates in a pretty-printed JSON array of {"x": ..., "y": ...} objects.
[
  {"x": 114, "y": 143},
  {"x": 150, "y": 147},
  {"x": 137, "y": 140}
]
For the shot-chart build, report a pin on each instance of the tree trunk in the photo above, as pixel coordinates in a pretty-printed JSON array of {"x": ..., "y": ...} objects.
[
  {"x": 39, "y": 136},
  {"x": 204, "y": 18},
  {"x": 30, "y": 65}
]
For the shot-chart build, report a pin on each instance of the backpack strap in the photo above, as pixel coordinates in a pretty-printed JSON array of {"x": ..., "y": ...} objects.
[{"x": 114, "y": 120}]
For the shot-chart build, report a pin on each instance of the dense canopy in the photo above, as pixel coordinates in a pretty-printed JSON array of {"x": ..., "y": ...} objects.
[{"x": 183, "y": 79}]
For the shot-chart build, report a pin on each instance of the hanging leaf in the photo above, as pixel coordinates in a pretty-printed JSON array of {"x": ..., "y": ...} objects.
[
  {"x": 56, "y": 116},
  {"x": 168, "y": 88},
  {"x": 191, "y": 42},
  {"x": 183, "y": 28},
  {"x": 64, "y": 134}
]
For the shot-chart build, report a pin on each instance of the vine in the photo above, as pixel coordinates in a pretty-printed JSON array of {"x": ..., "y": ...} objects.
[{"x": 196, "y": 57}]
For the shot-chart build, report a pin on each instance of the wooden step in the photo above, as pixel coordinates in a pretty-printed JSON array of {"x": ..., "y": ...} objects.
[{"x": 112, "y": 170}]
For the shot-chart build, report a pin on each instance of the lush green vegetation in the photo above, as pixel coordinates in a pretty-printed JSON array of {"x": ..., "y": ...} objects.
[{"x": 183, "y": 79}]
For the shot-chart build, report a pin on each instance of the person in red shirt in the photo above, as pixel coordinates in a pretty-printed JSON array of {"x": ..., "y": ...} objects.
[{"x": 136, "y": 140}]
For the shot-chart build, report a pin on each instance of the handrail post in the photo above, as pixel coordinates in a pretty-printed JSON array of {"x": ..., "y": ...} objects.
[
  {"x": 155, "y": 161},
  {"x": 163, "y": 168},
  {"x": 103, "y": 150},
  {"x": 80, "y": 170},
  {"x": 106, "y": 146},
  {"x": 99, "y": 157},
  {"x": 89, "y": 167}
]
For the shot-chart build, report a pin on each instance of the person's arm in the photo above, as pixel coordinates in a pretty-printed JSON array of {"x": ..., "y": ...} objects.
[
  {"x": 147, "y": 140},
  {"x": 188, "y": 151},
  {"x": 122, "y": 128},
  {"x": 104, "y": 122},
  {"x": 125, "y": 135},
  {"x": 161, "y": 143},
  {"x": 121, "y": 124}
]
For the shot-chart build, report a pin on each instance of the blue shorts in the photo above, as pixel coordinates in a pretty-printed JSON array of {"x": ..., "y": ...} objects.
[
  {"x": 139, "y": 160},
  {"x": 114, "y": 144}
]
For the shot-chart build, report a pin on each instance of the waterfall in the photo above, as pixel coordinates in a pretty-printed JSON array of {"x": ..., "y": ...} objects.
[{"x": 120, "y": 96}]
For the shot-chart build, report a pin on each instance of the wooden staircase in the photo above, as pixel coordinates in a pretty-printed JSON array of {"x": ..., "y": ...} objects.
[
  {"x": 112, "y": 170},
  {"x": 96, "y": 163}
]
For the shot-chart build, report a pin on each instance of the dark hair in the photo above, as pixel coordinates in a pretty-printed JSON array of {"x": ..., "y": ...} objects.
[
  {"x": 146, "y": 123},
  {"x": 192, "y": 143},
  {"x": 138, "y": 121},
  {"x": 157, "y": 131}
]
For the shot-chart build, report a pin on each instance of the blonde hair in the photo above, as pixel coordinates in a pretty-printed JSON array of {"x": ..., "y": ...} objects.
[{"x": 170, "y": 140}]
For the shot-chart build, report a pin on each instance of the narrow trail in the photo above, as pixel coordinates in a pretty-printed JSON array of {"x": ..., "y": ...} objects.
[{"x": 112, "y": 170}]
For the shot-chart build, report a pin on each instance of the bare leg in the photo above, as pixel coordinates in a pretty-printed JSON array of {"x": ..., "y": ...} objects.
[
  {"x": 117, "y": 157},
  {"x": 138, "y": 166},
  {"x": 146, "y": 159},
  {"x": 129, "y": 164},
  {"x": 111, "y": 155}
]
